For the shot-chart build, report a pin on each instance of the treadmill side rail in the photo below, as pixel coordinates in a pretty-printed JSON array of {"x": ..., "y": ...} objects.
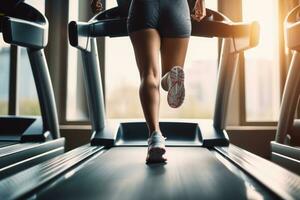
[
  {"x": 35, "y": 153},
  {"x": 281, "y": 181},
  {"x": 286, "y": 156},
  {"x": 290, "y": 151},
  {"x": 16, "y": 153},
  {"x": 20, "y": 184}
]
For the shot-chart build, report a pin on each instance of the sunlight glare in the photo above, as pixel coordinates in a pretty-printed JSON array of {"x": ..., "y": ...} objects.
[{"x": 267, "y": 18}]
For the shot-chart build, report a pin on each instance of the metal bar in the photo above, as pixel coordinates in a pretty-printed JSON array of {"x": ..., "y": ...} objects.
[
  {"x": 227, "y": 71},
  {"x": 13, "y": 107},
  {"x": 45, "y": 91},
  {"x": 93, "y": 86},
  {"x": 242, "y": 90}
]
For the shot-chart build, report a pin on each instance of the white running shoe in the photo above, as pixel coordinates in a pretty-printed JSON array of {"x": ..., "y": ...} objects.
[
  {"x": 156, "y": 148},
  {"x": 173, "y": 82}
]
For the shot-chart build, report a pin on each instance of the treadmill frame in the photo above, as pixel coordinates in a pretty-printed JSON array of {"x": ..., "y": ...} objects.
[
  {"x": 237, "y": 38},
  {"x": 29, "y": 28}
]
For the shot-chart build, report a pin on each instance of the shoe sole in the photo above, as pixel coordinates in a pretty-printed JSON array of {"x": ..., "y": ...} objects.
[
  {"x": 155, "y": 155},
  {"x": 176, "y": 92}
]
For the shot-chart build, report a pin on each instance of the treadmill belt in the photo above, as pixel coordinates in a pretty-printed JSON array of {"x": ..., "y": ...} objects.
[
  {"x": 4, "y": 144},
  {"x": 121, "y": 173}
]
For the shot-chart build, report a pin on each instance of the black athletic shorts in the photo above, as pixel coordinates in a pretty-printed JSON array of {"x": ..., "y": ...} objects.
[{"x": 170, "y": 17}]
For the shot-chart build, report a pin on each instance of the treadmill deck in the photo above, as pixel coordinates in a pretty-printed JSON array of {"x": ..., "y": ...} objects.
[{"x": 121, "y": 173}]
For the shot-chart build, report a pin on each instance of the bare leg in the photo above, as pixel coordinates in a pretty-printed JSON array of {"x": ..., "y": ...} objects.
[
  {"x": 146, "y": 44},
  {"x": 173, "y": 52}
]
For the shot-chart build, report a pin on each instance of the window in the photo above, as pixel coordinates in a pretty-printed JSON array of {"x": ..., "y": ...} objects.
[
  {"x": 38, "y": 4},
  {"x": 76, "y": 107},
  {"x": 4, "y": 76},
  {"x": 122, "y": 79},
  {"x": 262, "y": 92},
  {"x": 28, "y": 99}
]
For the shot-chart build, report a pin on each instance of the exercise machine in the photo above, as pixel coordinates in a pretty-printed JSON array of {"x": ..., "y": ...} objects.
[
  {"x": 201, "y": 161},
  {"x": 284, "y": 151},
  {"x": 24, "y": 140}
]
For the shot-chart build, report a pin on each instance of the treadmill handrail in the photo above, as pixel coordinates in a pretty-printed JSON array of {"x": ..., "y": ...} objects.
[
  {"x": 292, "y": 17},
  {"x": 25, "y": 26},
  {"x": 292, "y": 30},
  {"x": 109, "y": 23},
  {"x": 13, "y": 35}
]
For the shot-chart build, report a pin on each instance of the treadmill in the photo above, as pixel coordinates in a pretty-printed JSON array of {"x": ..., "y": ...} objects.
[
  {"x": 202, "y": 164},
  {"x": 285, "y": 151},
  {"x": 24, "y": 140}
]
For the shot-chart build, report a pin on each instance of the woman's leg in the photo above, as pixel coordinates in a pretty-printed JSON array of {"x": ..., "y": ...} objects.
[
  {"x": 173, "y": 53},
  {"x": 146, "y": 44}
]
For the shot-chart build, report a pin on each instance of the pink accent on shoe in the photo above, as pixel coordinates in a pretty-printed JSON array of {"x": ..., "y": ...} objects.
[{"x": 176, "y": 91}]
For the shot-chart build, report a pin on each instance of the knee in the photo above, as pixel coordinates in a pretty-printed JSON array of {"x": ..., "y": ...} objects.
[{"x": 150, "y": 79}]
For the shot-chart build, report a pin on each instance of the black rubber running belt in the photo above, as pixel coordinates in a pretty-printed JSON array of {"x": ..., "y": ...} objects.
[{"x": 121, "y": 173}]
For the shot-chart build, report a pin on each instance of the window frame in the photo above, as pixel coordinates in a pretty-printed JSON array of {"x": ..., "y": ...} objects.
[{"x": 58, "y": 65}]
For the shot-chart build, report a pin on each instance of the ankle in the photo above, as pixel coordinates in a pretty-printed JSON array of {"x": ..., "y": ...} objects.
[{"x": 155, "y": 132}]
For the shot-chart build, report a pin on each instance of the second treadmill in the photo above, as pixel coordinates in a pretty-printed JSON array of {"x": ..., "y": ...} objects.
[
  {"x": 26, "y": 141},
  {"x": 285, "y": 151}
]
